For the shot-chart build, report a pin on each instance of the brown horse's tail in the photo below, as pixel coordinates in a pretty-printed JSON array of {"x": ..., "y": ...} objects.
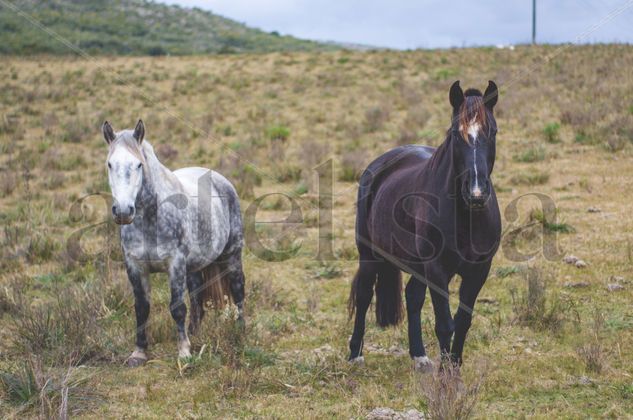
[
  {"x": 216, "y": 286},
  {"x": 389, "y": 296},
  {"x": 388, "y": 281}
]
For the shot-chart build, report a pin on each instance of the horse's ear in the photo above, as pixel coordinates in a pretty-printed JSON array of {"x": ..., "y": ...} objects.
[
  {"x": 108, "y": 133},
  {"x": 456, "y": 95},
  {"x": 491, "y": 95},
  {"x": 139, "y": 131}
]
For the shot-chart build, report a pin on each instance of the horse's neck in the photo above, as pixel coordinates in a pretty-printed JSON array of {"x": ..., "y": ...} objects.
[
  {"x": 158, "y": 181},
  {"x": 441, "y": 163}
]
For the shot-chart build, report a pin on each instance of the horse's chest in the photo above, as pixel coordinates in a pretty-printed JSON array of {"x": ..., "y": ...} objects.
[
  {"x": 478, "y": 240},
  {"x": 153, "y": 238}
]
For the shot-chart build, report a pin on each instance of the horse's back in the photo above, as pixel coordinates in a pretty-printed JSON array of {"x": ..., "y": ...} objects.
[
  {"x": 190, "y": 177},
  {"x": 395, "y": 160},
  {"x": 224, "y": 199},
  {"x": 388, "y": 159}
]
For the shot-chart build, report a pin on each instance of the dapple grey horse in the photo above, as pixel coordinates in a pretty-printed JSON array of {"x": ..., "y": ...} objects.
[{"x": 186, "y": 223}]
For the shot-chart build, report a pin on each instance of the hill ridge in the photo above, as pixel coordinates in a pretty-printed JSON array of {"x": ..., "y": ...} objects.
[{"x": 135, "y": 27}]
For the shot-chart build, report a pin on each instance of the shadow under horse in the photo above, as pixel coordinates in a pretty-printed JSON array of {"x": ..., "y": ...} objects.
[{"x": 432, "y": 213}]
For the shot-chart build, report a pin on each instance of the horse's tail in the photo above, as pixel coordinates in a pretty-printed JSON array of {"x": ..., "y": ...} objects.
[
  {"x": 216, "y": 286},
  {"x": 351, "y": 301},
  {"x": 388, "y": 287},
  {"x": 388, "y": 296}
]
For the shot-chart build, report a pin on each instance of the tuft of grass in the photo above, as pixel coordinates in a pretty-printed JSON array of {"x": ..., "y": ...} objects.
[
  {"x": 352, "y": 166},
  {"x": 328, "y": 270},
  {"x": 550, "y": 226},
  {"x": 533, "y": 154},
  {"x": 530, "y": 178},
  {"x": 41, "y": 248},
  {"x": 592, "y": 352},
  {"x": 447, "y": 396},
  {"x": 8, "y": 183},
  {"x": 257, "y": 357},
  {"x": 64, "y": 331},
  {"x": 532, "y": 308},
  {"x": 278, "y": 132},
  {"x": 551, "y": 132},
  {"x": 20, "y": 385},
  {"x": 507, "y": 271},
  {"x": 55, "y": 394},
  {"x": 584, "y": 138},
  {"x": 75, "y": 132},
  {"x": 226, "y": 336},
  {"x": 375, "y": 118}
]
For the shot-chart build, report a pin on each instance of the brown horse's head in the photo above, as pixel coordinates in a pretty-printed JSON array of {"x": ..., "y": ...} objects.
[{"x": 474, "y": 128}]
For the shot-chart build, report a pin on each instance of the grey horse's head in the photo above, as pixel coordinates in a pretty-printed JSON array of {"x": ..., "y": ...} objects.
[{"x": 125, "y": 169}]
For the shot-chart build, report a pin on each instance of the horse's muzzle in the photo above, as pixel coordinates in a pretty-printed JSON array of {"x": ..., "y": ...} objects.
[
  {"x": 123, "y": 217},
  {"x": 477, "y": 202}
]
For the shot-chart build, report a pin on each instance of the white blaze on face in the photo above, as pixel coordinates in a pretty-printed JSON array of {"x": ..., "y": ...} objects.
[
  {"x": 125, "y": 175},
  {"x": 473, "y": 131}
]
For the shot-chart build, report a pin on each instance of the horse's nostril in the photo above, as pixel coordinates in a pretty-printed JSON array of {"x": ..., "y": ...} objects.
[
  {"x": 114, "y": 210},
  {"x": 131, "y": 210}
]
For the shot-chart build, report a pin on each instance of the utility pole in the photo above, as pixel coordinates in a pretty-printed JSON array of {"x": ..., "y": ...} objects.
[{"x": 533, "y": 22}]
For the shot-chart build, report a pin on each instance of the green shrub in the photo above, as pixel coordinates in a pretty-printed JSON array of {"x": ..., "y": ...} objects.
[
  {"x": 507, "y": 271},
  {"x": 552, "y": 132},
  {"x": 583, "y": 138},
  {"x": 550, "y": 226},
  {"x": 530, "y": 178},
  {"x": 278, "y": 132},
  {"x": 533, "y": 154}
]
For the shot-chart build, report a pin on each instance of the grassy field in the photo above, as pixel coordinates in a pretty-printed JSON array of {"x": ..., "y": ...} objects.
[{"x": 548, "y": 338}]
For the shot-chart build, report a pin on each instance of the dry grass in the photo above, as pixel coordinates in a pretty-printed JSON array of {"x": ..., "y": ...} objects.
[
  {"x": 534, "y": 308},
  {"x": 265, "y": 121},
  {"x": 448, "y": 396}
]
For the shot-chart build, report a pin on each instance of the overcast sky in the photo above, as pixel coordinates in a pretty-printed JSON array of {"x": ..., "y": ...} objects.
[{"x": 432, "y": 23}]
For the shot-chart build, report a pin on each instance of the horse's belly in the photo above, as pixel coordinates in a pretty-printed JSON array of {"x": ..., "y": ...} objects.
[{"x": 208, "y": 235}]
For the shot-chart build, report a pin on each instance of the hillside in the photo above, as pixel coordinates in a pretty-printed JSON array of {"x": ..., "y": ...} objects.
[
  {"x": 549, "y": 339},
  {"x": 133, "y": 27}
]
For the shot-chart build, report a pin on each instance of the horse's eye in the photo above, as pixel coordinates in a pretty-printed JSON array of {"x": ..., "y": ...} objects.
[
  {"x": 109, "y": 165},
  {"x": 139, "y": 166}
]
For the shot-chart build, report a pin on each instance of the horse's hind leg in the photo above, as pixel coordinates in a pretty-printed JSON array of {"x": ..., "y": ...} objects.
[
  {"x": 231, "y": 267},
  {"x": 195, "y": 284},
  {"x": 178, "y": 309},
  {"x": 360, "y": 299},
  {"x": 415, "y": 293}
]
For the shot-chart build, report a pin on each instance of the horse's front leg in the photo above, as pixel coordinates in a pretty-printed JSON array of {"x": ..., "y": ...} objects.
[
  {"x": 444, "y": 324},
  {"x": 139, "y": 278},
  {"x": 473, "y": 279},
  {"x": 177, "y": 283}
]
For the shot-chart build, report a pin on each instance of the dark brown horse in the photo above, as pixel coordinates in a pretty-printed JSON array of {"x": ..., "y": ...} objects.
[{"x": 432, "y": 213}]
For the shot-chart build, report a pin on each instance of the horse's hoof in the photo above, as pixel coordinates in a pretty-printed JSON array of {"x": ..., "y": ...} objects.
[
  {"x": 422, "y": 364},
  {"x": 136, "y": 362},
  {"x": 184, "y": 353},
  {"x": 360, "y": 361},
  {"x": 137, "y": 358}
]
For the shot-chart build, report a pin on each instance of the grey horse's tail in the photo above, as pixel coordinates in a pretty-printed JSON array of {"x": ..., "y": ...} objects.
[{"x": 216, "y": 286}]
